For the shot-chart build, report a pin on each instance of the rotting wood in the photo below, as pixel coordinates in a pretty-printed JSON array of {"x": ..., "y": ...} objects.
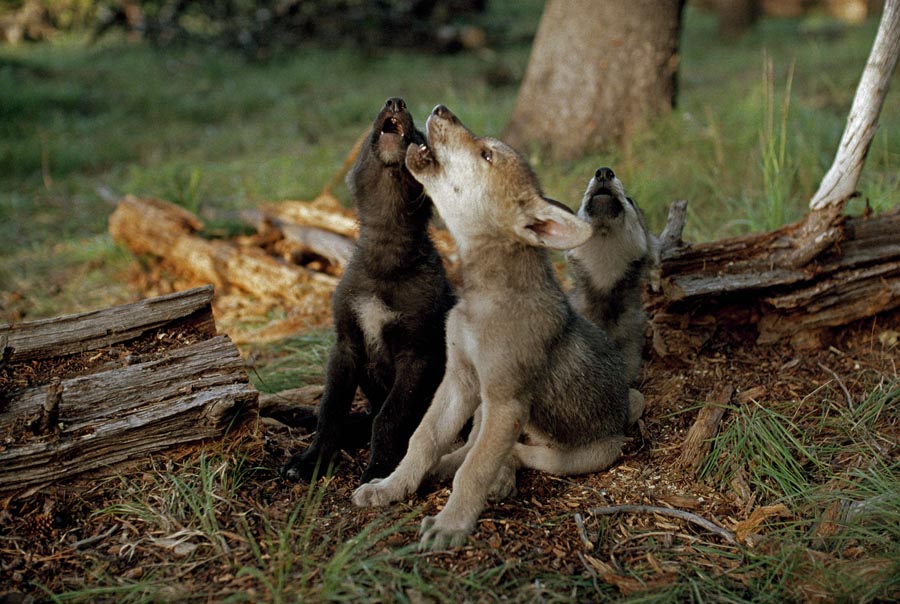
[
  {"x": 734, "y": 283},
  {"x": 148, "y": 226},
  {"x": 127, "y": 404},
  {"x": 696, "y": 444},
  {"x": 300, "y": 240}
]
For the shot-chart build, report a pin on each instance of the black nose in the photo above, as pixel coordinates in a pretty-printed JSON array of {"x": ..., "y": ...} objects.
[
  {"x": 395, "y": 104},
  {"x": 604, "y": 174},
  {"x": 442, "y": 111}
]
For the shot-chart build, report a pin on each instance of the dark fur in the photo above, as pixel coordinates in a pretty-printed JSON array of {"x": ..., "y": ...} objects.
[{"x": 396, "y": 262}]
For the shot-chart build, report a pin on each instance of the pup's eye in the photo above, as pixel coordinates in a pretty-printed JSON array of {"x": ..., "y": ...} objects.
[{"x": 488, "y": 157}]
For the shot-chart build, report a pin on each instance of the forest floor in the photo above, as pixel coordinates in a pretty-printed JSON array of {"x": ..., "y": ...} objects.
[{"x": 802, "y": 476}]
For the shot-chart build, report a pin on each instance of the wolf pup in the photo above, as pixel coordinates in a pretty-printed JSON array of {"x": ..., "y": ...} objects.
[
  {"x": 609, "y": 270},
  {"x": 518, "y": 356},
  {"x": 389, "y": 308}
]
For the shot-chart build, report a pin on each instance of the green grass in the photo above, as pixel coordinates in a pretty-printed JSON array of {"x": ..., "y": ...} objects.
[
  {"x": 756, "y": 127},
  {"x": 291, "y": 362},
  {"x": 812, "y": 458}
]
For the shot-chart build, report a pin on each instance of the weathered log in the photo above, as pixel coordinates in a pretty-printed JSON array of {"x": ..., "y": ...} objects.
[
  {"x": 94, "y": 330},
  {"x": 149, "y": 226},
  {"x": 146, "y": 376},
  {"x": 734, "y": 282},
  {"x": 299, "y": 241}
]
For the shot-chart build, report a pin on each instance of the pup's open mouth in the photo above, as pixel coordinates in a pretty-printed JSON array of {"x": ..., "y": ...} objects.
[{"x": 392, "y": 125}]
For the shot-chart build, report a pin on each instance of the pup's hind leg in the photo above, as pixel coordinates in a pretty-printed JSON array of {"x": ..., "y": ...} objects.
[
  {"x": 417, "y": 379},
  {"x": 454, "y": 402},
  {"x": 592, "y": 457},
  {"x": 450, "y": 462},
  {"x": 505, "y": 483},
  {"x": 636, "y": 405},
  {"x": 340, "y": 388}
]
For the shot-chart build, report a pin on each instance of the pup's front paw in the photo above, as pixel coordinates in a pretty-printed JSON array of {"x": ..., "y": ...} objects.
[
  {"x": 305, "y": 466},
  {"x": 418, "y": 157},
  {"x": 377, "y": 493},
  {"x": 435, "y": 536}
]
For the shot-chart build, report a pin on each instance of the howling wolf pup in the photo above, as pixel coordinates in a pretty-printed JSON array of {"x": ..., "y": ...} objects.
[
  {"x": 389, "y": 308},
  {"x": 519, "y": 358},
  {"x": 609, "y": 270}
]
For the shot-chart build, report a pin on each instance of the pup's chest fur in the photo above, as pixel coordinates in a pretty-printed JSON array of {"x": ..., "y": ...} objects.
[{"x": 373, "y": 315}]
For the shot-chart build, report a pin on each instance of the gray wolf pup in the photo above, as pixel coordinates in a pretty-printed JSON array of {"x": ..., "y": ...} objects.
[
  {"x": 519, "y": 359},
  {"x": 608, "y": 271},
  {"x": 389, "y": 309}
]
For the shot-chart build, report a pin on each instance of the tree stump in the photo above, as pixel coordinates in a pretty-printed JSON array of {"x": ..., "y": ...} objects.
[{"x": 85, "y": 392}]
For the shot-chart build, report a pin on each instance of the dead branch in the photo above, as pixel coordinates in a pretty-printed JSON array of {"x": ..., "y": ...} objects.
[
  {"x": 680, "y": 514},
  {"x": 839, "y": 183}
]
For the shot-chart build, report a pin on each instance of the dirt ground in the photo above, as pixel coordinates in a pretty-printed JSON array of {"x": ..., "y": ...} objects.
[{"x": 56, "y": 537}]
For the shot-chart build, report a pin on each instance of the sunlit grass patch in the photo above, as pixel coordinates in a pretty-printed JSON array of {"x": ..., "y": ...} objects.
[
  {"x": 291, "y": 362},
  {"x": 825, "y": 463}
]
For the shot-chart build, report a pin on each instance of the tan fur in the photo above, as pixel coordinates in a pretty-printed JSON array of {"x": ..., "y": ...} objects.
[{"x": 518, "y": 357}]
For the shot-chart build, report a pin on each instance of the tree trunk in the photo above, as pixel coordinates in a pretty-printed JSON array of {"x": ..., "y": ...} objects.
[
  {"x": 85, "y": 392},
  {"x": 597, "y": 71},
  {"x": 736, "y": 16}
]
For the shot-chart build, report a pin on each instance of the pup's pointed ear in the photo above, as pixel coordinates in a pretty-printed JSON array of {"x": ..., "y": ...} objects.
[{"x": 548, "y": 223}]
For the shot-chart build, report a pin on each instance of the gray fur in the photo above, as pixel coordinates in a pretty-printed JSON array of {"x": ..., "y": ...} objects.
[{"x": 609, "y": 270}]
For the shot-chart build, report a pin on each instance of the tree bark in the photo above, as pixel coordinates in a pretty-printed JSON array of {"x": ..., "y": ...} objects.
[
  {"x": 86, "y": 392},
  {"x": 597, "y": 71}
]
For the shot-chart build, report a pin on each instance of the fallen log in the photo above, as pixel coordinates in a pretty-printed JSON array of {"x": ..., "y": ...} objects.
[
  {"x": 298, "y": 243},
  {"x": 86, "y": 392},
  {"x": 164, "y": 230},
  {"x": 736, "y": 283}
]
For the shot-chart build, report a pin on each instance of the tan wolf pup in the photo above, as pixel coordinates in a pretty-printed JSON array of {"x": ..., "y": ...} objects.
[{"x": 517, "y": 353}]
